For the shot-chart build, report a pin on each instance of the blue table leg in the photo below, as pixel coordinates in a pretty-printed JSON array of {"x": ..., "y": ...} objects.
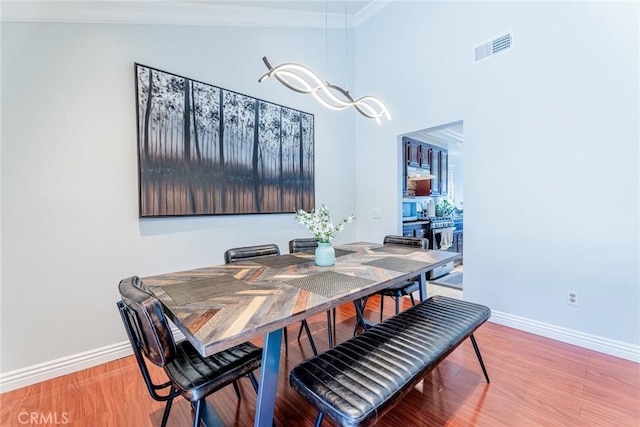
[
  {"x": 423, "y": 286},
  {"x": 360, "y": 304},
  {"x": 329, "y": 327},
  {"x": 268, "y": 379},
  {"x": 208, "y": 416}
]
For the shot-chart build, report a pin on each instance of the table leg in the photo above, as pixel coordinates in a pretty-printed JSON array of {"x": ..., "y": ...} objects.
[
  {"x": 359, "y": 304},
  {"x": 268, "y": 379},
  {"x": 329, "y": 327},
  {"x": 208, "y": 416},
  {"x": 334, "y": 323},
  {"x": 423, "y": 286}
]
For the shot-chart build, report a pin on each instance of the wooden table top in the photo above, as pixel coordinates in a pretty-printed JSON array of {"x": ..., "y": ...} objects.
[{"x": 221, "y": 306}]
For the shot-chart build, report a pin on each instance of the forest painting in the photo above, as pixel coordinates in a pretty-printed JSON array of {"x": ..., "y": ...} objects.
[{"x": 204, "y": 150}]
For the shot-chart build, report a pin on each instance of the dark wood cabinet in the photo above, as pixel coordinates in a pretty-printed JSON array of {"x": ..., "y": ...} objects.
[
  {"x": 413, "y": 153},
  {"x": 439, "y": 161},
  {"x": 425, "y": 157},
  {"x": 457, "y": 245},
  {"x": 415, "y": 230},
  {"x": 422, "y": 155}
]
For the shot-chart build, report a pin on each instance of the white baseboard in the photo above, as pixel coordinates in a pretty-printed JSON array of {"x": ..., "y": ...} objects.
[
  {"x": 66, "y": 365},
  {"x": 569, "y": 336}
]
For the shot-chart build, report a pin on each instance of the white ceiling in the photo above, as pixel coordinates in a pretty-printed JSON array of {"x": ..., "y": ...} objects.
[
  {"x": 449, "y": 136},
  {"x": 262, "y": 13}
]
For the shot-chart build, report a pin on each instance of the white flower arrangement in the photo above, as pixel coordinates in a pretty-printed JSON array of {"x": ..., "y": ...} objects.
[{"x": 318, "y": 222}]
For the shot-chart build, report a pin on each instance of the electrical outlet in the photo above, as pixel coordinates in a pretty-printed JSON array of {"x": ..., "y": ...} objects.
[
  {"x": 377, "y": 213},
  {"x": 572, "y": 297}
]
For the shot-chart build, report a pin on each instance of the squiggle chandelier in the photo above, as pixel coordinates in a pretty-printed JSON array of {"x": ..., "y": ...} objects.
[{"x": 301, "y": 79}]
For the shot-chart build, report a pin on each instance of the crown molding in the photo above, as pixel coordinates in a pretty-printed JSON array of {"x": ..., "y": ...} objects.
[{"x": 178, "y": 13}]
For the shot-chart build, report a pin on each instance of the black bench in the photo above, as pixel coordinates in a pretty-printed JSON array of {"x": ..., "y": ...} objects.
[{"x": 358, "y": 381}]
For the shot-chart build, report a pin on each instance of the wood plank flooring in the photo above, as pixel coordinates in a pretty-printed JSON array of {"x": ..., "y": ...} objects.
[{"x": 535, "y": 381}]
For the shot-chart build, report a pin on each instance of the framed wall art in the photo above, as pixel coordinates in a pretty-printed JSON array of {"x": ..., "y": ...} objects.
[{"x": 204, "y": 150}]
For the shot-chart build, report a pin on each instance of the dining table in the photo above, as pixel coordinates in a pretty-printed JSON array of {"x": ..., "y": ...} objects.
[{"x": 220, "y": 306}]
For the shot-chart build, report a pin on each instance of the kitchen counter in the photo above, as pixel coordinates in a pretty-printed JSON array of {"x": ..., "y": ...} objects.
[{"x": 416, "y": 222}]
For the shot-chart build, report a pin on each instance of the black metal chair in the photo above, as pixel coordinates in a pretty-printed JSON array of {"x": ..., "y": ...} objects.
[
  {"x": 309, "y": 244},
  {"x": 303, "y": 245},
  {"x": 406, "y": 288},
  {"x": 191, "y": 375},
  {"x": 246, "y": 252}
]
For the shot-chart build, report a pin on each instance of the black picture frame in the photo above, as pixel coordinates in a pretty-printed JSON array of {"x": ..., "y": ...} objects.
[{"x": 200, "y": 151}]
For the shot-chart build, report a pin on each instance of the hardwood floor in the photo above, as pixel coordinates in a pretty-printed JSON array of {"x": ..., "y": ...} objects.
[{"x": 535, "y": 381}]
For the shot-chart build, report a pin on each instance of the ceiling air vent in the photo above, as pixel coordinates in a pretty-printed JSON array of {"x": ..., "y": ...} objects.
[{"x": 492, "y": 47}]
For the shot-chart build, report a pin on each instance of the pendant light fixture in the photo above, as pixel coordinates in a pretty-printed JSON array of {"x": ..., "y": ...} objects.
[{"x": 301, "y": 79}]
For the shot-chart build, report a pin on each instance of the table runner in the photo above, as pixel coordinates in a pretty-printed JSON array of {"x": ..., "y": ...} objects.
[
  {"x": 328, "y": 283},
  {"x": 397, "y": 264},
  {"x": 281, "y": 260},
  {"x": 203, "y": 289},
  {"x": 396, "y": 249}
]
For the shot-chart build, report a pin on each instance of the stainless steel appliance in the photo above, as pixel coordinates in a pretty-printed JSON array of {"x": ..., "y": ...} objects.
[{"x": 438, "y": 227}]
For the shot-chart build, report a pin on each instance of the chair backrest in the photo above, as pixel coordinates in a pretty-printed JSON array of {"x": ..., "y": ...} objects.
[
  {"x": 418, "y": 242},
  {"x": 245, "y": 252},
  {"x": 145, "y": 322},
  {"x": 301, "y": 245}
]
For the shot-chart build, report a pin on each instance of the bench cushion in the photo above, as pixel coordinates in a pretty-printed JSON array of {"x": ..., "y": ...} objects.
[{"x": 356, "y": 382}]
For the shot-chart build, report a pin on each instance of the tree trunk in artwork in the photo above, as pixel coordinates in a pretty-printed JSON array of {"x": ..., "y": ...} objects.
[
  {"x": 223, "y": 204},
  {"x": 187, "y": 122},
  {"x": 187, "y": 146},
  {"x": 254, "y": 160},
  {"x": 147, "y": 115},
  {"x": 280, "y": 180},
  {"x": 197, "y": 189},
  {"x": 301, "y": 185},
  {"x": 195, "y": 124}
]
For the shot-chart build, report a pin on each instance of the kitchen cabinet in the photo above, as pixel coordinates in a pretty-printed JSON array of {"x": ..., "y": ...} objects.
[
  {"x": 439, "y": 161},
  {"x": 413, "y": 153},
  {"x": 457, "y": 244},
  {"x": 425, "y": 156},
  {"x": 416, "y": 229},
  {"x": 458, "y": 235}
]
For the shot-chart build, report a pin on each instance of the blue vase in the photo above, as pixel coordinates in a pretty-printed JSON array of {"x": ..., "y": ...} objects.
[{"x": 325, "y": 255}]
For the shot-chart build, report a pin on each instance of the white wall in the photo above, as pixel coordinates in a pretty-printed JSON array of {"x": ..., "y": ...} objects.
[
  {"x": 550, "y": 149},
  {"x": 70, "y": 229},
  {"x": 457, "y": 164}
]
